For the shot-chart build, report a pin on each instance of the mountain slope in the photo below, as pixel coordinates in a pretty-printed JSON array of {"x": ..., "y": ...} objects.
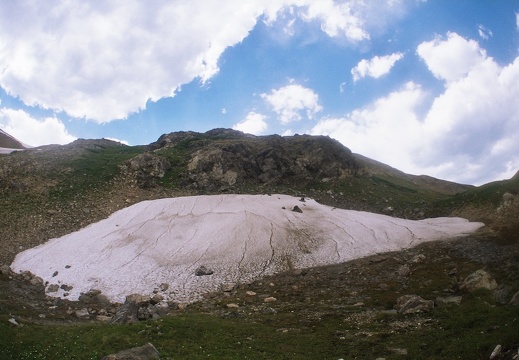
[{"x": 51, "y": 191}]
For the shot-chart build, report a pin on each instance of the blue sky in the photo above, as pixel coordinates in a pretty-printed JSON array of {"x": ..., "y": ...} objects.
[{"x": 428, "y": 87}]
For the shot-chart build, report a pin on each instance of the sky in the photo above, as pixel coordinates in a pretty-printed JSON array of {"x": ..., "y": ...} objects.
[{"x": 428, "y": 87}]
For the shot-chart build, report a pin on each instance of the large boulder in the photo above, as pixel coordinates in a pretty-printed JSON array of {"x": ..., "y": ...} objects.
[
  {"x": 478, "y": 280},
  {"x": 409, "y": 304}
]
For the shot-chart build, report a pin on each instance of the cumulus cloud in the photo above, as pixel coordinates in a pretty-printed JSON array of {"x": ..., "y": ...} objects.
[
  {"x": 469, "y": 133},
  {"x": 34, "y": 132},
  {"x": 290, "y": 101},
  {"x": 388, "y": 130},
  {"x": 375, "y": 67},
  {"x": 105, "y": 60},
  {"x": 253, "y": 123},
  {"x": 452, "y": 58},
  {"x": 337, "y": 18}
]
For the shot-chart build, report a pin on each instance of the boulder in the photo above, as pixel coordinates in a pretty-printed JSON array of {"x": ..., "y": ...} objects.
[
  {"x": 203, "y": 271},
  {"x": 409, "y": 304},
  {"x": 4, "y": 270},
  {"x": 297, "y": 209},
  {"x": 145, "y": 352},
  {"x": 82, "y": 314},
  {"x": 478, "y": 280}
]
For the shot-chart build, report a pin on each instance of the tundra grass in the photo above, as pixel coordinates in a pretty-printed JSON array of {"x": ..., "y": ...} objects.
[{"x": 468, "y": 331}]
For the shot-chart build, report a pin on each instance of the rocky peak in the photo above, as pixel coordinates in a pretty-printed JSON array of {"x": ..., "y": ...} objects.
[{"x": 228, "y": 157}]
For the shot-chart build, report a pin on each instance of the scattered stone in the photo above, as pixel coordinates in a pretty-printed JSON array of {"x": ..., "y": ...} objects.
[
  {"x": 250, "y": 293},
  {"x": 515, "y": 299},
  {"x": 442, "y": 301},
  {"x": 404, "y": 271},
  {"x": 66, "y": 287},
  {"x": 409, "y": 304},
  {"x": 398, "y": 351},
  {"x": 94, "y": 296},
  {"x": 297, "y": 209},
  {"x": 55, "y": 274},
  {"x": 82, "y": 314},
  {"x": 232, "y": 306},
  {"x": 269, "y": 311},
  {"x": 37, "y": 281},
  {"x": 496, "y": 352},
  {"x": 146, "y": 352},
  {"x": 157, "y": 298},
  {"x": 5, "y": 270},
  {"x": 302, "y": 199},
  {"x": 270, "y": 299},
  {"x": 163, "y": 287},
  {"x": 203, "y": 271},
  {"x": 53, "y": 288},
  {"x": 67, "y": 266},
  {"x": 103, "y": 318},
  {"x": 418, "y": 259},
  {"x": 12, "y": 321},
  {"x": 138, "y": 299},
  {"x": 227, "y": 287},
  {"x": 478, "y": 280}
]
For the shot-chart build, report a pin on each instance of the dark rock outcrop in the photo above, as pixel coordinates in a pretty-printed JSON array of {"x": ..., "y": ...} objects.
[{"x": 147, "y": 169}]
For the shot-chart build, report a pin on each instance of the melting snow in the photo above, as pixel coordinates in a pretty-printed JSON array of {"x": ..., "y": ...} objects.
[{"x": 239, "y": 237}]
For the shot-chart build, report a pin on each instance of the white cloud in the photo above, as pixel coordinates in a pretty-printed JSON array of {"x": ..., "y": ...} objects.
[
  {"x": 376, "y": 67},
  {"x": 470, "y": 132},
  {"x": 484, "y": 33},
  {"x": 517, "y": 20},
  {"x": 292, "y": 100},
  {"x": 337, "y": 19},
  {"x": 253, "y": 123},
  {"x": 387, "y": 130},
  {"x": 34, "y": 132},
  {"x": 104, "y": 60},
  {"x": 452, "y": 58}
]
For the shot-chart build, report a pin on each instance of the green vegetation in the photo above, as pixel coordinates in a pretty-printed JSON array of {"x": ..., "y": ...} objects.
[
  {"x": 468, "y": 331},
  {"x": 93, "y": 169}
]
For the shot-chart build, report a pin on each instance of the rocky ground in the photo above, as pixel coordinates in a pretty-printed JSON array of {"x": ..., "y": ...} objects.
[{"x": 370, "y": 294}]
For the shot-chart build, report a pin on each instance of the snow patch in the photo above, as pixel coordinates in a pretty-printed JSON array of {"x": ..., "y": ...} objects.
[{"x": 239, "y": 237}]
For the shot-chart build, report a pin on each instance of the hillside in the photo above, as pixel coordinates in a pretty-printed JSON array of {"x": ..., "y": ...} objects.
[
  {"x": 50, "y": 191},
  {"x": 347, "y": 309},
  {"x": 53, "y": 190}
]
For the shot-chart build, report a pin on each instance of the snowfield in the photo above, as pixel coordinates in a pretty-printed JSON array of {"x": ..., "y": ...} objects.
[{"x": 239, "y": 237}]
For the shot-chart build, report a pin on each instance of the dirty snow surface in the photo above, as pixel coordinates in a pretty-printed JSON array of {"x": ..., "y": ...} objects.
[{"x": 239, "y": 237}]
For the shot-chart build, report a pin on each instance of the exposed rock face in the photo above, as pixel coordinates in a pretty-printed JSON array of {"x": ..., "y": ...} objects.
[
  {"x": 147, "y": 169},
  {"x": 267, "y": 160}
]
